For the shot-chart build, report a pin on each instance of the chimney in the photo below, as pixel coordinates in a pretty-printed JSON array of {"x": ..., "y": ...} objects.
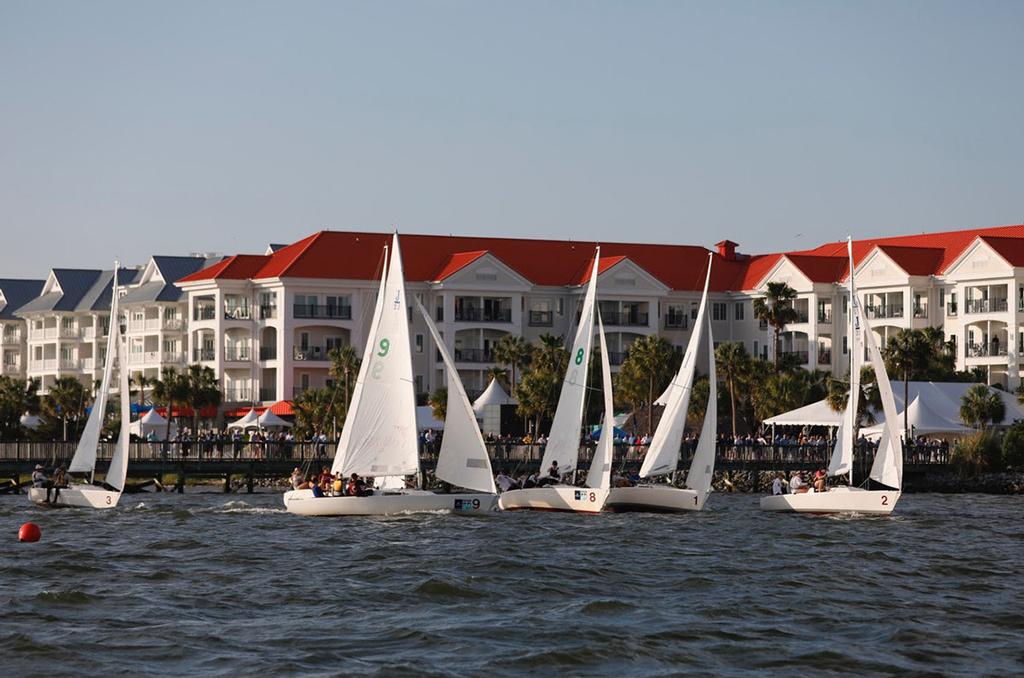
[{"x": 727, "y": 249}]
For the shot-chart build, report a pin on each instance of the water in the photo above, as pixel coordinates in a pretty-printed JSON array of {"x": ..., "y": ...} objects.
[{"x": 212, "y": 585}]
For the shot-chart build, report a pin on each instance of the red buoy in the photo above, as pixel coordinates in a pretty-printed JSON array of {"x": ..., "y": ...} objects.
[{"x": 29, "y": 532}]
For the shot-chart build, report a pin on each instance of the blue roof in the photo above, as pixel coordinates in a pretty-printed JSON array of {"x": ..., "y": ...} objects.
[
  {"x": 18, "y": 293},
  {"x": 171, "y": 269},
  {"x": 81, "y": 290}
]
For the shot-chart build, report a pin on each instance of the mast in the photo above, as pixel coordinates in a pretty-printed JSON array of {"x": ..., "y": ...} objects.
[{"x": 854, "y": 380}]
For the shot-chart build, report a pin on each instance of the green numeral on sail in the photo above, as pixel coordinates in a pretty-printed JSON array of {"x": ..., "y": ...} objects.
[
  {"x": 579, "y": 357},
  {"x": 385, "y": 346}
]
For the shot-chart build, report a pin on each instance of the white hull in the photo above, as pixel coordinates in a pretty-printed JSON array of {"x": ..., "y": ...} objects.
[
  {"x": 76, "y": 496},
  {"x": 303, "y": 503},
  {"x": 554, "y": 498},
  {"x": 836, "y": 500},
  {"x": 655, "y": 499}
]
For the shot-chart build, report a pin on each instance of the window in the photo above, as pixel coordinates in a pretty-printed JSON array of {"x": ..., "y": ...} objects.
[
  {"x": 739, "y": 310},
  {"x": 419, "y": 383},
  {"x": 561, "y": 307},
  {"x": 846, "y": 306},
  {"x": 693, "y": 310},
  {"x": 419, "y": 343},
  {"x": 845, "y": 346},
  {"x": 333, "y": 342},
  {"x": 67, "y": 323},
  {"x": 138, "y": 316},
  {"x": 942, "y": 297},
  {"x": 718, "y": 311},
  {"x": 170, "y": 346}
]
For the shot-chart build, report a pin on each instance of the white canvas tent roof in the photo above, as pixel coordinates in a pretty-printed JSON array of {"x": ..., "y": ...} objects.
[
  {"x": 425, "y": 419},
  {"x": 30, "y": 421},
  {"x": 815, "y": 414},
  {"x": 151, "y": 421},
  {"x": 250, "y": 420},
  {"x": 494, "y": 394},
  {"x": 923, "y": 419},
  {"x": 268, "y": 419}
]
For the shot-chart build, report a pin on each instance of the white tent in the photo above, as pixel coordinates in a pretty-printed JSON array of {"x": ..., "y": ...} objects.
[
  {"x": 923, "y": 419},
  {"x": 151, "y": 421},
  {"x": 425, "y": 419},
  {"x": 270, "y": 420},
  {"x": 815, "y": 414},
  {"x": 494, "y": 394},
  {"x": 30, "y": 421},
  {"x": 250, "y": 420}
]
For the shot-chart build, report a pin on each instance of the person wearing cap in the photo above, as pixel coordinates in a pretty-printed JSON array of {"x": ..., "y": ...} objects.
[
  {"x": 39, "y": 478},
  {"x": 796, "y": 483}
]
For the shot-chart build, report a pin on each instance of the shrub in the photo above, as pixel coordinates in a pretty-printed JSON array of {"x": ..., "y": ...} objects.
[
  {"x": 977, "y": 453},
  {"x": 1013, "y": 446}
]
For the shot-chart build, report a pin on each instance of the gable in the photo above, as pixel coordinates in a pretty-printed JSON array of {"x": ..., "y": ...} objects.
[
  {"x": 879, "y": 270},
  {"x": 623, "y": 277},
  {"x": 785, "y": 271},
  {"x": 979, "y": 260},
  {"x": 480, "y": 271}
]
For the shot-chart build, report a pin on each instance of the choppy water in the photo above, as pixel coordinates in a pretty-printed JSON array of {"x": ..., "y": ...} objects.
[{"x": 205, "y": 584}]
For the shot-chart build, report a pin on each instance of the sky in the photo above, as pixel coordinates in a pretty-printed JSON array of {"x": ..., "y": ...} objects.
[{"x": 136, "y": 128}]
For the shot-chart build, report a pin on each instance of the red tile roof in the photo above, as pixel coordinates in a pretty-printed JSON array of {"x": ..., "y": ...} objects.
[
  {"x": 603, "y": 265},
  {"x": 1011, "y": 249},
  {"x": 457, "y": 262},
  {"x": 238, "y": 267},
  {"x": 819, "y": 269},
  {"x": 915, "y": 260}
]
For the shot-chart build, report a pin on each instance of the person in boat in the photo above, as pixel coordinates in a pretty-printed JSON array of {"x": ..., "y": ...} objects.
[
  {"x": 796, "y": 483},
  {"x": 325, "y": 480},
  {"x": 553, "y": 477},
  {"x": 296, "y": 478},
  {"x": 317, "y": 491},
  {"x": 779, "y": 484},
  {"x": 338, "y": 485},
  {"x": 819, "y": 481},
  {"x": 504, "y": 482},
  {"x": 60, "y": 479}
]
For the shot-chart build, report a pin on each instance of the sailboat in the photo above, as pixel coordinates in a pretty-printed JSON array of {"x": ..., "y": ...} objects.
[
  {"x": 379, "y": 439},
  {"x": 662, "y": 456},
  {"x": 887, "y": 469},
  {"x": 106, "y": 494},
  {"x": 564, "y": 442}
]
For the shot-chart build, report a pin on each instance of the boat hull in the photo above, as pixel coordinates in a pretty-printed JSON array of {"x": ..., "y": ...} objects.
[
  {"x": 76, "y": 496},
  {"x": 836, "y": 500},
  {"x": 554, "y": 498},
  {"x": 303, "y": 503},
  {"x": 655, "y": 499}
]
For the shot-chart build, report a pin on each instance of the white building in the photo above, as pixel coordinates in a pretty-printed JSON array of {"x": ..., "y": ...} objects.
[{"x": 14, "y": 294}]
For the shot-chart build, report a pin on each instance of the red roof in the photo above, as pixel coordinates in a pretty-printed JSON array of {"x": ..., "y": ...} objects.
[
  {"x": 358, "y": 256},
  {"x": 1011, "y": 249},
  {"x": 282, "y": 408}
]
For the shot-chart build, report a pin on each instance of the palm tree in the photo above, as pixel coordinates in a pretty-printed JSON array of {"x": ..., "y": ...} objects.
[
  {"x": 499, "y": 373},
  {"x": 203, "y": 391},
  {"x": 652, "y": 358},
  {"x": 439, "y": 403},
  {"x": 344, "y": 368},
  {"x": 980, "y": 406},
  {"x": 776, "y": 309},
  {"x": 907, "y": 354},
  {"x": 142, "y": 382},
  {"x": 515, "y": 352},
  {"x": 65, "y": 401},
  {"x": 172, "y": 388},
  {"x": 537, "y": 393},
  {"x": 551, "y": 354},
  {"x": 315, "y": 411},
  {"x": 17, "y": 397},
  {"x": 733, "y": 364},
  {"x": 779, "y": 392}
]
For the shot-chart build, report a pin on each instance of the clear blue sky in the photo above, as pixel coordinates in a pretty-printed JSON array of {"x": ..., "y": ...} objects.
[{"x": 133, "y": 128}]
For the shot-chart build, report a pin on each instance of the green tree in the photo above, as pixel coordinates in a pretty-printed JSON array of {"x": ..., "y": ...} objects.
[
  {"x": 172, "y": 388},
  {"x": 141, "y": 383},
  {"x": 1013, "y": 446},
  {"x": 499, "y": 373},
  {"x": 514, "y": 352},
  {"x": 65, "y": 402},
  {"x": 203, "y": 391},
  {"x": 17, "y": 397},
  {"x": 776, "y": 309},
  {"x": 646, "y": 373},
  {"x": 870, "y": 401},
  {"x": 344, "y": 368},
  {"x": 316, "y": 411},
  {"x": 980, "y": 406},
  {"x": 439, "y": 403},
  {"x": 908, "y": 353},
  {"x": 778, "y": 392},
  {"x": 733, "y": 364}
]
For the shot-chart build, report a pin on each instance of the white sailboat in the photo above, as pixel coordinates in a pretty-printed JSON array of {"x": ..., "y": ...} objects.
[
  {"x": 662, "y": 456},
  {"x": 379, "y": 439},
  {"x": 887, "y": 469},
  {"x": 108, "y": 493},
  {"x": 564, "y": 442}
]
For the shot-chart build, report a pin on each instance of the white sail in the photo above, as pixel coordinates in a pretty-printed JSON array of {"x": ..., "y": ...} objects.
[
  {"x": 381, "y": 429},
  {"x": 463, "y": 459},
  {"x": 84, "y": 460},
  {"x": 564, "y": 441},
  {"x": 118, "y": 470},
  {"x": 600, "y": 474},
  {"x": 887, "y": 468},
  {"x": 841, "y": 462},
  {"x": 346, "y": 430},
  {"x": 703, "y": 465},
  {"x": 663, "y": 454}
]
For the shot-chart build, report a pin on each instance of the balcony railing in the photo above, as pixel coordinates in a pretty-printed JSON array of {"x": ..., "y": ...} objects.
[
  {"x": 267, "y": 394},
  {"x": 11, "y": 338},
  {"x": 623, "y": 318},
  {"x": 473, "y": 355},
  {"x": 237, "y": 313},
  {"x": 144, "y": 358},
  {"x": 987, "y": 305},
  {"x": 70, "y": 364},
  {"x": 676, "y": 322},
  {"x": 238, "y": 394},
  {"x": 479, "y": 315},
  {"x": 203, "y": 354},
  {"x": 237, "y": 354},
  {"x": 800, "y": 357},
  {"x": 825, "y": 357},
  {"x": 327, "y": 312},
  {"x": 204, "y": 313},
  {"x": 920, "y": 311},
  {"x": 541, "y": 318},
  {"x": 801, "y": 317},
  {"x": 884, "y": 311},
  {"x": 307, "y": 353},
  {"x": 69, "y": 333},
  {"x": 47, "y": 364},
  {"x": 268, "y": 352},
  {"x": 990, "y": 350},
  {"x": 951, "y": 309},
  {"x": 268, "y": 311},
  {"x": 825, "y": 318}
]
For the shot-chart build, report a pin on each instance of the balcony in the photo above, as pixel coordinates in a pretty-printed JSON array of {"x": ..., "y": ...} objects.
[
  {"x": 69, "y": 333},
  {"x": 920, "y": 312},
  {"x": 46, "y": 365},
  {"x": 798, "y": 357},
  {"x": 477, "y": 315},
  {"x": 70, "y": 364},
  {"x": 268, "y": 352},
  {"x": 874, "y": 312},
  {"x": 268, "y": 393},
  {"x": 237, "y": 313},
  {"x": 203, "y": 355},
  {"x": 473, "y": 355},
  {"x": 144, "y": 358},
  {"x": 237, "y": 394},
  {"x": 11, "y": 338},
  {"x": 204, "y": 313},
  {"x": 824, "y": 317},
  {"x": 676, "y": 322},
  {"x": 11, "y": 365},
  {"x": 987, "y": 305},
  {"x": 541, "y": 318},
  {"x": 311, "y": 353},
  {"x": 172, "y": 324},
  {"x": 991, "y": 350},
  {"x": 801, "y": 317},
  {"x": 951, "y": 309},
  {"x": 623, "y": 319},
  {"x": 237, "y": 354},
  {"x": 327, "y": 312},
  {"x": 825, "y": 356},
  {"x": 88, "y": 363},
  {"x": 268, "y": 312}
]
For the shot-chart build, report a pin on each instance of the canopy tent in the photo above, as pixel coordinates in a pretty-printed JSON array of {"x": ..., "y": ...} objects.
[
  {"x": 923, "y": 419},
  {"x": 250, "y": 420},
  {"x": 30, "y": 421},
  {"x": 270, "y": 420},
  {"x": 425, "y": 419},
  {"x": 815, "y": 414},
  {"x": 494, "y": 394},
  {"x": 617, "y": 433},
  {"x": 151, "y": 422}
]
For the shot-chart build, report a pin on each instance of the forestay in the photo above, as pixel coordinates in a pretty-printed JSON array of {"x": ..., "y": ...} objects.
[
  {"x": 564, "y": 441},
  {"x": 663, "y": 454},
  {"x": 463, "y": 459},
  {"x": 84, "y": 460},
  {"x": 703, "y": 465},
  {"x": 600, "y": 474},
  {"x": 380, "y": 432}
]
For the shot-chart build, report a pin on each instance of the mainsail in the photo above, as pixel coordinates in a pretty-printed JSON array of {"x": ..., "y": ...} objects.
[
  {"x": 380, "y": 430},
  {"x": 118, "y": 470},
  {"x": 463, "y": 460},
  {"x": 600, "y": 474},
  {"x": 663, "y": 454},
  {"x": 841, "y": 462},
  {"x": 887, "y": 468},
  {"x": 84, "y": 460},
  {"x": 703, "y": 465},
  {"x": 564, "y": 441}
]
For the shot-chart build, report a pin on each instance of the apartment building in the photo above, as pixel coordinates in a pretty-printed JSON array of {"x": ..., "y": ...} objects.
[
  {"x": 68, "y": 323},
  {"x": 14, "y": 294},
  {"x": 155, "y": 314}
]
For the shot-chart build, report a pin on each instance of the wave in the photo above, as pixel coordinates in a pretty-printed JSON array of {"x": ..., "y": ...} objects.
[{"x": 445, "y": 590}]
